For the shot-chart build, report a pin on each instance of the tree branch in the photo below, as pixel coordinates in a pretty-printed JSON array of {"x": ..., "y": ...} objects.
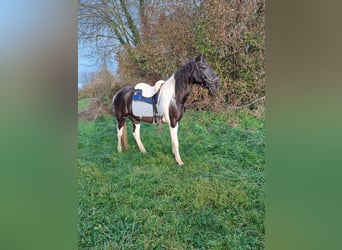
[{"x": 130, "y": 22}]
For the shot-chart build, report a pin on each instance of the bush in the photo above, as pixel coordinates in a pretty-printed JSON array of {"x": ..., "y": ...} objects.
[
  {"x": 100, "y": 89},
  {"x": 230, "y": 34}
]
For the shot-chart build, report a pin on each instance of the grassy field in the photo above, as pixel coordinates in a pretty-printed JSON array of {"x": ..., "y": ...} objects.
[
  {"x": 83, "y": 104},
  {"x": 146, "y": 201}
]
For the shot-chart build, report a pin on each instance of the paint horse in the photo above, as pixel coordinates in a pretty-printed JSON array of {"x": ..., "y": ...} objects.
[{"x": 172, "y": 95}]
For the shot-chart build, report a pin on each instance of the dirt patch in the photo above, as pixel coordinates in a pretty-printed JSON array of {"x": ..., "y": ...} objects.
[{"x": 96, "y": 108}]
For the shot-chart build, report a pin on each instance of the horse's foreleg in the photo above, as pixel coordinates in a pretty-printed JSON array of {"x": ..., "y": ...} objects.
[
  {"x": 136, "y": 134},
  {"x": 175, "y": 144}
]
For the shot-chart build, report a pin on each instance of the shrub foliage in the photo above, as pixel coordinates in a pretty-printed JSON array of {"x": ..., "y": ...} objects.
[{"x": 229, "y": 33}]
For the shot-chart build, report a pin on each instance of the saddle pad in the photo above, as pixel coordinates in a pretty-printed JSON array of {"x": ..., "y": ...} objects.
[
  {"x": 137, "y": 96},
  {"x": 142, "y": 106},
  {"x": 140, "y": 109}
]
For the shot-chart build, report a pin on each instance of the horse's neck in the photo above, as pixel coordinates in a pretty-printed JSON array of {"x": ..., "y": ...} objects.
[
  {"x": 167, "y": 90},
  {"x": 182, "y": 90}
]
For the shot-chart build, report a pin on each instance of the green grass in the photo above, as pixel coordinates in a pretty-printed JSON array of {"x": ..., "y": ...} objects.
[
  {"x": 83, "y": 104},
  {"x": 146, "y": 201}
]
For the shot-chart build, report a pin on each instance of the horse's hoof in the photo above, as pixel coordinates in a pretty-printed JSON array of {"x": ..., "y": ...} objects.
[{"x": 180, "y": 163}]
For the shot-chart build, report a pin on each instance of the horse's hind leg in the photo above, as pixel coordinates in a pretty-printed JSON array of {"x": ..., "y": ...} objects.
[
  {"x": 136, "y": 134},
  {"x": 122, "y": 135}
]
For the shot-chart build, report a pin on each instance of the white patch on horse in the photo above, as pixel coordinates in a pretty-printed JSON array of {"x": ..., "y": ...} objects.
[
  {"x": 167, "y": 95},
  {"x": 175, "y": 144},
  {"x": 120, "y": 132},
  {"x": 136, "y": 135},
  {"x": 113, "y": 99}
]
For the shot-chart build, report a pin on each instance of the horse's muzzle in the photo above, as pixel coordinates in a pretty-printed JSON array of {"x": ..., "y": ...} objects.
[{"x": 217, "y": 85}]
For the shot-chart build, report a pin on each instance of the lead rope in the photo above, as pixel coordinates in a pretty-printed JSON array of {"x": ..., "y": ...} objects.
[{"x": 237, "y": 107}]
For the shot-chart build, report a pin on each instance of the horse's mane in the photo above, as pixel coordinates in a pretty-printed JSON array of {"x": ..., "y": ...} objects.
[{"x": 183, "y": 81}]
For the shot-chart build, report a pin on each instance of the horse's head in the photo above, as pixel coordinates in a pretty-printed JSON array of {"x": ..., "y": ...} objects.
[{"x": 204, "y": 75}]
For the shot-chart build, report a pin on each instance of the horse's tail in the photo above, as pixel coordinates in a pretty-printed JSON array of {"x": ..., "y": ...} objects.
[
  {"x": 113, "y": 108},
  {"x": 124, "y": 137}
]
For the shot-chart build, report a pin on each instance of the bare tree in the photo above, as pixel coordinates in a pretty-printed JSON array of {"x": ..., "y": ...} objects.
[{"x": 107, "y": 26}]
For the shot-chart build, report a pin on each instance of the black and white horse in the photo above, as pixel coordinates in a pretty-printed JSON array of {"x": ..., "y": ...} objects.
[{"x": 172, "y": 96}]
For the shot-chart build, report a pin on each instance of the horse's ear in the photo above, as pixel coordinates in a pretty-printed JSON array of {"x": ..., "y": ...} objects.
[{"x": 199, "y": 58}]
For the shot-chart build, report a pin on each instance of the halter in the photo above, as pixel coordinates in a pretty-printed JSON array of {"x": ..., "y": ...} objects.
[{"x": 207, "y": 80}]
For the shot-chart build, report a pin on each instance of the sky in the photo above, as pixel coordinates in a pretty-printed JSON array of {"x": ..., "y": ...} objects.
[{"x": 87, "y": 65}]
